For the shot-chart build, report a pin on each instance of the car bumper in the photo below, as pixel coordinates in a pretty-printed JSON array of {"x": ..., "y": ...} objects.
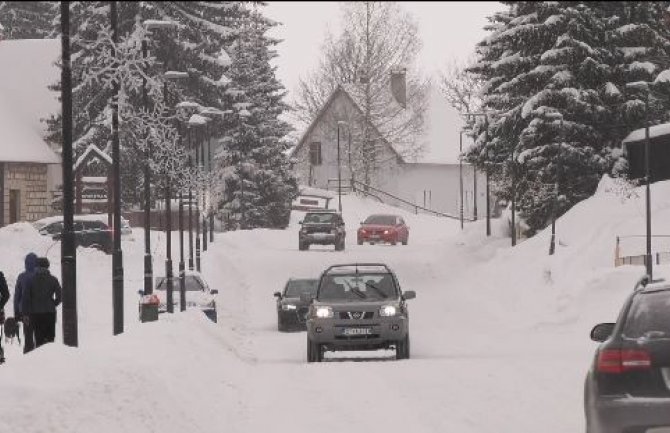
[
  {"x": 384, "y": 333},
  {"x": 630, "y": 414},
  {"x": 380, "y": 238},
  {"x": 319, "y": 238}
]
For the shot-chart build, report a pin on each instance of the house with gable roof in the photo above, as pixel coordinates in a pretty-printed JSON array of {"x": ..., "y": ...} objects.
[
  {"x": 435, "y": 186},
  {"x": 30, "y": 170}
]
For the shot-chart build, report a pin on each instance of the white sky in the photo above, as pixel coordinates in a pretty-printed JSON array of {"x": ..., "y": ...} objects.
[{"x": 447, "y": 29}]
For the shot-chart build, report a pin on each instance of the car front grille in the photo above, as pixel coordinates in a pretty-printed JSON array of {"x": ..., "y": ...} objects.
[
  {"x": 356, "y": 315},
  {"x": 357, "y": 337}
]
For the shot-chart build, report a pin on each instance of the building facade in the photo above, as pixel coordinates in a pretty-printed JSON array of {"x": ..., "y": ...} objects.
[{"x": 434, "y": 186}]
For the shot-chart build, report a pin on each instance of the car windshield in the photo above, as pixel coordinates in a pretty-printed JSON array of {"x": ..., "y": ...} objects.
[
  {"x": 648, "y": 316},
  {"x": 319, "y": 218},
  {"x": 357, "y": 287},
  {"x": 382, "y": 220},
  {"x": 297, "y": 287},
  {"x": 193, "y": 284}
]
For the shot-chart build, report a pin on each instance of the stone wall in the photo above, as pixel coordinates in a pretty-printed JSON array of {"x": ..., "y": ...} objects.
[{"x": 31, "y": 180}]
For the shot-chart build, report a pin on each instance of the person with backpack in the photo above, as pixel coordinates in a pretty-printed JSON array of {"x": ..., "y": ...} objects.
[
  {"x": 21, "y": 285},
  {"x": 4, "y": 297},
  {"x": 39, "y": 302}
]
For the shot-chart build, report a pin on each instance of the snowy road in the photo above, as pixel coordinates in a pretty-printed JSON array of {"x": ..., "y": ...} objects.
[{"x": 499, "y": 336}]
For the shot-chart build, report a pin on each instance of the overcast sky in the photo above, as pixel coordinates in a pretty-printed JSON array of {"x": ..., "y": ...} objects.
[{"x": 447, "y": 29}]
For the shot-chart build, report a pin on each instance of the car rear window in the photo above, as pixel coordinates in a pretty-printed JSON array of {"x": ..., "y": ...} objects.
[
  {"x": 384, "y": 220},
  {"x": 193, "y": 284},
  {"x": 358, "y": 287},
  {"x": 297, "y": 287},
  {"x": 319, "y": 218},
  {"x": 649, "y": 316}
]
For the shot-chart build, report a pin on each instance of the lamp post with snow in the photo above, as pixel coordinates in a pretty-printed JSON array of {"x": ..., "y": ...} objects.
[
  {"x": 643, "y": 87},
  {"x": 488, "y": 189},
  {"x": 148, "y": 261},
  {"x": 212, "y": 114},
  {"x": 554, "y": 206}
]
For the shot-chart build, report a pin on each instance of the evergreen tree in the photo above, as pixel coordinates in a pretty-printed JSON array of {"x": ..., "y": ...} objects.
[
  {"x": 572, "y": 59},
  {"x": 28, "y": 20},
  {"x": 258, "y": 185}
]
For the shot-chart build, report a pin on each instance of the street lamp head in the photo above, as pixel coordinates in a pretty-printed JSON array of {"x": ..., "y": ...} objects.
[
  {"x": 175, "y": 75},
  {"x": 197, "y": 120},
  {"x": 159, "y": 24},
  {"x": 641, "y": 86}
]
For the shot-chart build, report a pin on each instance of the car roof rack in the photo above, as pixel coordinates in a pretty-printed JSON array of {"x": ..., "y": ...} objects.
[{"x": 356, "y": 267}]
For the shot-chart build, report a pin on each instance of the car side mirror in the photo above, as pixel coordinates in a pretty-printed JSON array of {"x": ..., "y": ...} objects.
[
  {"x": 214, "y": 291},
  {"x": 140, "y": 292},
  {"x": 277, "y": 295},
  {"x": 602, "y": 332},
  {"x": 306, "y": 297},
  {"x": 410, "y": 294}
]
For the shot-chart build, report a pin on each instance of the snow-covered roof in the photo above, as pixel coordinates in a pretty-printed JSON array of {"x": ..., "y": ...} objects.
[
  {"x": 95, "y": 149},
  {"x": 20, "y": 143},
  {"x": 654, "y": 131},
  {"x": 308, "y": 190},
  {"x": 28, "y": 68}
]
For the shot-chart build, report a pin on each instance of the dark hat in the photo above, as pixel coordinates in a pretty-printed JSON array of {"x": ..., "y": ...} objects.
[{"x": 43, "y": 262}]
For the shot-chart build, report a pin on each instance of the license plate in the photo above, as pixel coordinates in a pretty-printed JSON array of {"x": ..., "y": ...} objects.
[
  {"x": 374, "y": 237},
  {"x": 319, "y": 235},
  {"x": 357, "y": 331}
]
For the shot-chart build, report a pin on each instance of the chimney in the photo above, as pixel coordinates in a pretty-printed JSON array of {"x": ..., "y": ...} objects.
[{"x": 399, "y": 86}]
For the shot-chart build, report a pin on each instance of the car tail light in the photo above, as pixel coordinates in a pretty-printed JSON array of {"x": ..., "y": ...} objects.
[{"x": 618, "y": 361}]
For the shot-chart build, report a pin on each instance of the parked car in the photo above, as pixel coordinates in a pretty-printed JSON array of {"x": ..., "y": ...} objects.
[
  {"x": 322, "y": 228},
  {"x": 198, "y": 294},
  {"x": 627, "y": 388},
  {"x": 90, "y": 233},
  {"x": 291, "y": 310},
  {"x": 383, "y": 228},
  {"x": 358, "y": 307}
]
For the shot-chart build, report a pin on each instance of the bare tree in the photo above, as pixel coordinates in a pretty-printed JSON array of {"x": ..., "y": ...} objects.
[
  {"x": 377, "y": 37},
  {"x": 461, "y": 88}
]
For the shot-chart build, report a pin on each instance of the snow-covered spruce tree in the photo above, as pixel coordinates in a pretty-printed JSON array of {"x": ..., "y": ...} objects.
[
  {"x": 28, "y": 20},
  {"x": 544, "y": 58},
  {"x": 257, "y": 183},
  {"x": 195, "y": 47}
]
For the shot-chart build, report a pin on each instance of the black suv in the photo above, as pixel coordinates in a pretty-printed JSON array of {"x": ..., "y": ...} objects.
[
  {"x": 87, "y": 233},
  {"x": 627, "y": 389},
  {"x": 322, "y": 228}
]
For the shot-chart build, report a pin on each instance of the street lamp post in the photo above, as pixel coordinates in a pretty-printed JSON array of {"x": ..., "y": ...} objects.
[
  {"x": 488, "y": 200},
  {"x": 68, "y": 251},
  {"x": 339, "y": 168},
  {"x": 554, "y": 207},
  {"x": 644, "y": 88},
  {"x": 460, "y": 175},
  {"x": 117, "y": 255}
]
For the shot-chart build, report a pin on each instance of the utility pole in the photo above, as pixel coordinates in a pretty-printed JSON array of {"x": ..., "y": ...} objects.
[
  {"x": 117, "y": 257},
  {"x": 486, "y": 170},
  {"x": 339, "y": 170},
  {"x": 148, "y": 266},
  {"x": 554, "y": 209},
  {"x": 68, "y": 251},
  {"x": 647, "y": 168},
  {"x": 168, "y": 223}
]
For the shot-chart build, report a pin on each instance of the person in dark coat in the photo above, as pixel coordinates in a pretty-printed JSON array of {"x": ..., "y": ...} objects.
[
  {"x": 39, "y": 303},
  {"x": 21, "y": 285},
  {"x": 4, "y": 297}
]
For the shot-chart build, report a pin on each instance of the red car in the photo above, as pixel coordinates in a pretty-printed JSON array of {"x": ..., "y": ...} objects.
[{"x": 383, "y": 228}]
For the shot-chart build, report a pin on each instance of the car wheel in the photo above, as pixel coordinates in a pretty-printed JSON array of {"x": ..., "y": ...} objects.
[
  {"x": 360, "y": 242},
  {"x": 302, "y": 246},
  {"x": 280, "y": 325},
  {"x": 402, "y": 348},
  {"x": 395, "y": 240},
  {"x": 405, "y": 241},
  {"x": 313, "y": 351}
]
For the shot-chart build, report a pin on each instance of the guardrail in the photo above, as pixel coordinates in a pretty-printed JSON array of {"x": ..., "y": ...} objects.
[
  {"x": 360, "y": 187},
  {"x": 660, "y": 257}
]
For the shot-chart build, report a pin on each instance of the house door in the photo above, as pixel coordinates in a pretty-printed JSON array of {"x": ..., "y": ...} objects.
[{"x": 14, "y": 205}]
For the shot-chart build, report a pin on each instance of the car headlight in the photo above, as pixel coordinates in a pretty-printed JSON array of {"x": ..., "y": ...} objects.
[
  {"x": 388, "y": 311},
  {"x": 324, "y": 312},
  {"x": 362, "y": 231},
  {"x": 288, "y": 307}
]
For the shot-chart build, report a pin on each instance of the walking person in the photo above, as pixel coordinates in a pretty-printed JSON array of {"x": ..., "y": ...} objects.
[
  {"x": 39, "y": 303},
  {"x": 21, "y": 285},
  {"x": 4, "y": 297}
]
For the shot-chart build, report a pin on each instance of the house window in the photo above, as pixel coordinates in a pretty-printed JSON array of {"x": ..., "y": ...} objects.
[
  {"x": 14, "y": 205},
  {"x": 315, "y": 153}
]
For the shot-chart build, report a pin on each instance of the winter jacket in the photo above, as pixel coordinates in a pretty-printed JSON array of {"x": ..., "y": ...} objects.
[
  {"x": 43, "y": 293},
  {"x": 22, "y": 282},
  {"x": 4, "y": 291}
]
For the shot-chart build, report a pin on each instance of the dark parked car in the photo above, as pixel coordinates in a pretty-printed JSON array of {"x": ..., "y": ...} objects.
[
  {"x": 358, "y": 307},
  {"x": 87, "y": 233},
  {"x": 322, "y": 228},
  {"x": 627, "y": 389},
  {"x": 291, "y": 310},
  {"x": 383, "y": 229}
]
